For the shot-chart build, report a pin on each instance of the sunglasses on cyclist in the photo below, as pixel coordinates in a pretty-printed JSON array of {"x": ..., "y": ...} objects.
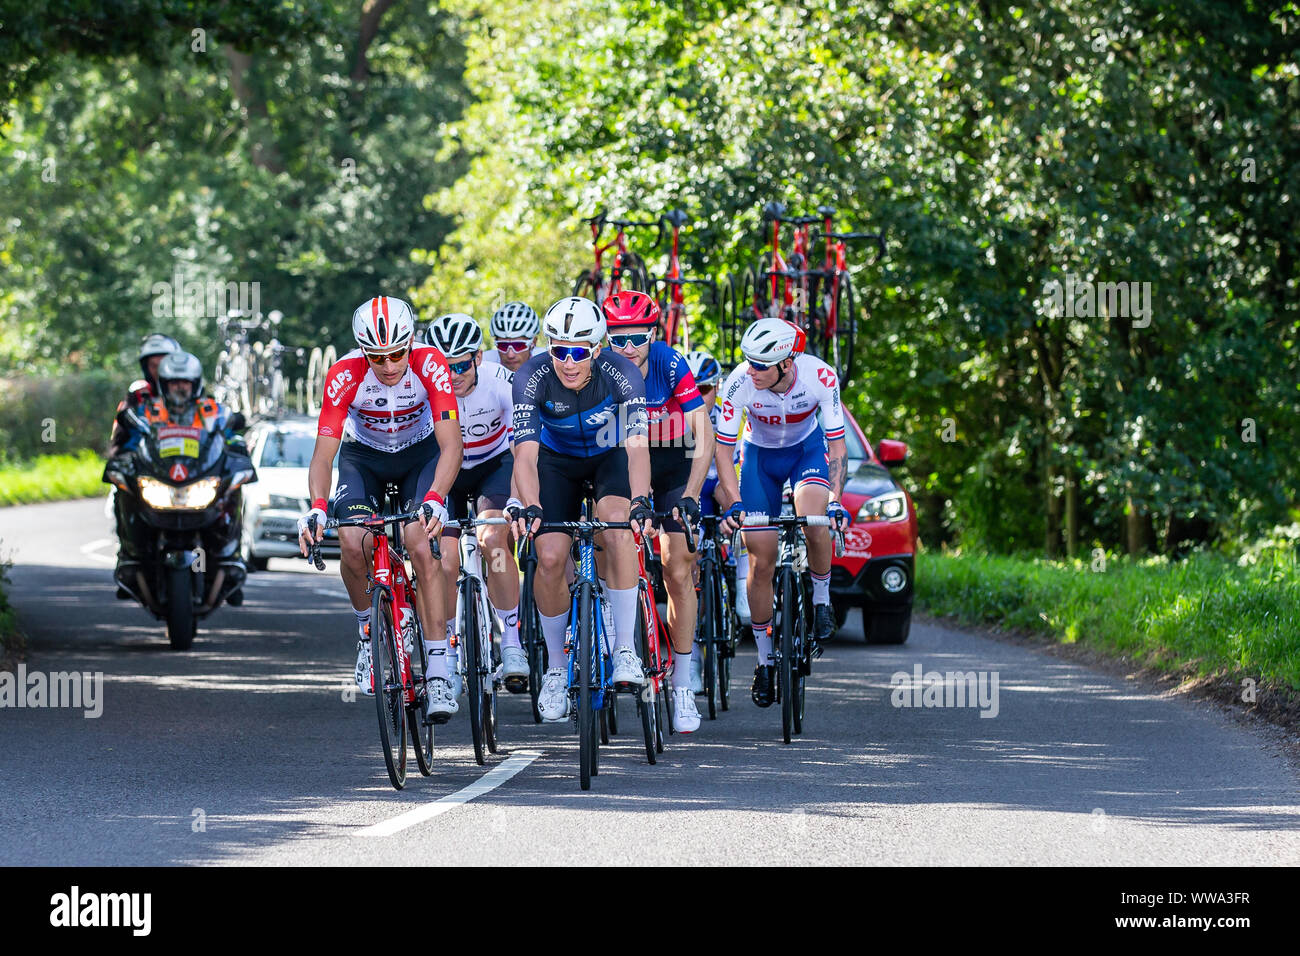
[
  {"x": 573, "y": 353},
  {"x": 460, "y": 368},
  {"x": 760, "y": 367},
  {"x": 386, "y": 357},
  {"x": 509, "y": 345},
  {"x": 634, "y": 339}
]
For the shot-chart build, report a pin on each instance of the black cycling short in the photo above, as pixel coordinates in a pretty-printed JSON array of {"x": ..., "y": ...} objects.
[
  {"x": 364, "y": 471},
  {"x": 488, "y": 482},
  {"x": 670, "y": 470},
  {"x": 560, "y": 479}
]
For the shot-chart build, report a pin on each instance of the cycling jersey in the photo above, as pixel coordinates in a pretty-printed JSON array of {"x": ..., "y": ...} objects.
[
  {"x": 358, "y": 407},
  {"x": 492, "y": 355},
  {"x": 670, "y": 392},
  {"x": 782, "y": 420},
  {"x": 607, "y": 410},
  {"x": 485, "y": 415}
]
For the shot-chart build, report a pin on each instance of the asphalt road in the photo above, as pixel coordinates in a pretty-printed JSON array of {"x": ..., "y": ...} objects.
[{"x": 245, "y": 750}]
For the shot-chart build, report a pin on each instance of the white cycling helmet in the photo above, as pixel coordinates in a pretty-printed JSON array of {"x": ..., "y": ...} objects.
[
  {"x": 454, "y": 334},
  {"x": 155, "y": 343},
  {"x": 574, "y": 319},
  {"x": 704, "y": 367},
  {"x": 768, "y": 341},
  {"x": 514, "y": 320},
  {"x": 384, "y": 324}
]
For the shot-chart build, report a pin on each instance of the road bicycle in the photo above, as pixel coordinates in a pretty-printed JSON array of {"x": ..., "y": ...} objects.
[
  {"x": 669, "y": 288},
  {"x": 628, "y": 270},
  {"x": 400, "y": 664},
  {"x": 832, "y": 314},
  {"x": 654, "y": 702},
  {"x": 476, "y": 628},
  {"x": 718, "y": 628},
  {"x": 794, "y": 648},
  {"x": 318, "y": 366}
]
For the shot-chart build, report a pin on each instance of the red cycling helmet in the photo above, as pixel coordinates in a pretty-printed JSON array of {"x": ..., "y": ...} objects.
[{"x": 630, "y": 308}]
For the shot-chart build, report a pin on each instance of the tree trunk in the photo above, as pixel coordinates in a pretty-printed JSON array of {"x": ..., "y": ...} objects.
[
  {"x": 371, "y": 14},
  {"x": 265, "y": 153},
  {"x": 1134, "y": 530},
  {"x": 1071, "y": 514}
]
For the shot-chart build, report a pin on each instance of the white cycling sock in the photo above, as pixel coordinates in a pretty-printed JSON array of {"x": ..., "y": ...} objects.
[
  {"x": 509, "y": 626},
  {"x": 764, "y": 642},
  {"x": 821, "y": 588},
  {"x": 438, "y": 660},
  {"x": 363, "y": 617},
  {"x": 622, "y": 602},
  {"x": 681, "y": 670},
  {"x": 742, "y": 566},
  {"x": 553, "y": 631}
]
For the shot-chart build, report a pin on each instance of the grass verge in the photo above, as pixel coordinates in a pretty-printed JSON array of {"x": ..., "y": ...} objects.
[
  {"x": 52, "y": 478},
  {"x": 1208, "y": 618}
]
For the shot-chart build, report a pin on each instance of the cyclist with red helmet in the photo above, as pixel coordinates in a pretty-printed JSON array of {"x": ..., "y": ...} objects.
[
  {"x": 389, "y": 403},
  {"x": 783, "y": 393},
  {"x": 681, "y": 450}
]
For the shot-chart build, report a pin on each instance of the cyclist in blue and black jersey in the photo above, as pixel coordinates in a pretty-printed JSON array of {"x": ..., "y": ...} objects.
[{"x": 579, "y": 413}]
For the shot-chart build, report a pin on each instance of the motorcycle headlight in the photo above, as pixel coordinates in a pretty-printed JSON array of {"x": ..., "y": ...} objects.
[
  {"x": 890, "y": 507},
  {"x": 163, "y": 497}
]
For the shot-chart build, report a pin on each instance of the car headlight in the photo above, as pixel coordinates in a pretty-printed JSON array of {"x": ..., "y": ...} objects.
[
  {"x": 194, "y": 496},
  {"x": 285, "y": 503},
  {"x": 890, "y": 507}
]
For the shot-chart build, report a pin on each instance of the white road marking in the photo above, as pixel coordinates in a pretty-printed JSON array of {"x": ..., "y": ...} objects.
[
  {"x": 333, "y": 594},
  {"x": 91, "y": 548},
  {"x": 489, "y": 781}
]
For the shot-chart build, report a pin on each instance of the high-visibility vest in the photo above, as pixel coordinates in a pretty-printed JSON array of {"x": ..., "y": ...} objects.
[{"x": 206, "y": 411}]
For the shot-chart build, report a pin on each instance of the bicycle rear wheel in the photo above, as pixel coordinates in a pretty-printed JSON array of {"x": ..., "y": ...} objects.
[
  {"x": 842, "y": 344},
  {"x": 705, "y": 642},
  {"x": 489, "y": 680},
  {"x": 532, "y": 641},
  {"x": 389, "y": 690},
  {"x": 802, "y": 661},
  {"x": 586, "y": 712},
  {"x": 588, "y": 284},
  {"x": 421, "y": 727},
  {"x": 471, "y": 649},
  {"x": 785, "y": 671}
]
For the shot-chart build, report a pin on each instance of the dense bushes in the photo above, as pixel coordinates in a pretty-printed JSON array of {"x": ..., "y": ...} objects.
[{"x": 61, "y": 414}]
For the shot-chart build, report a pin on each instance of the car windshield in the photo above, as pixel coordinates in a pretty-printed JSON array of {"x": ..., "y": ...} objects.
[{"x": 287, "y": 450}]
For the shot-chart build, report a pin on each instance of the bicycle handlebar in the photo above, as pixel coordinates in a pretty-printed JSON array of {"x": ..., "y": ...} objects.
[
  {"x": 379, "y": 521},
  {"x": 813, "y": 521},
  {"x": 878, "y": 237}
]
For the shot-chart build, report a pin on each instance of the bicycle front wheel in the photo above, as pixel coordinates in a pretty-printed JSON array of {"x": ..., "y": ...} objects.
[
  {"x": 421, "y": 726},
  {"x": 785, "y": 672},
  {"x": 841, "y": 343},
  {"x": 586, "y": 693},
  {"x": 470, "y": 647},
  {"x": 647, "y": 702},
  {"x": 707, "y": 637},
  {"x": 389, "y": 687}
]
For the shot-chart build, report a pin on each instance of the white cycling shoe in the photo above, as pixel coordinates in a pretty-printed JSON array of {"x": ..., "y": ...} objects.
[
  {"x": 364, "y": 674},
  {"x": 441, "y": 703},
  {"x": 627, "y": 667},
  {"x": 686, "y": 718},
  {"x": 553, "y": 699},
  {"x": 514, "y": 669}
]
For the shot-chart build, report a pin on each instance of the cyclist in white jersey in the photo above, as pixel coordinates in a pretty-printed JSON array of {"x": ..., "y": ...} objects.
[
  {"x": 485, "y": 403},
  {"x": 782, "y": 392}
]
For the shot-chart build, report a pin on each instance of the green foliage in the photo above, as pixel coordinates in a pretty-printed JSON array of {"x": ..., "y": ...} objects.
[
  {"x": 1206, "y": 613},
  {"x": 1001, "y": 148},
  {"x": 60, "y": 413},
  {"x": 52, "y": 478}
]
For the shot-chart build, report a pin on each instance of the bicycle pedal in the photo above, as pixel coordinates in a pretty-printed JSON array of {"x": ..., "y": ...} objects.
[{"x": 517, "y": 685}]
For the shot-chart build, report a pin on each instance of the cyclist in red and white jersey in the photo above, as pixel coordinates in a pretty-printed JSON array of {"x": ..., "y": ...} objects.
[
  {"x": 485, "y": 400},
  {"x": 782, "y": 392},
  {"x": 390, "y": 404}
]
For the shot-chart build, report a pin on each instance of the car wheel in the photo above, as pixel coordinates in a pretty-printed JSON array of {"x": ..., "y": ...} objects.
[
  {"x": 252, "y": 561},
  {"x": 887, "y": 627}
]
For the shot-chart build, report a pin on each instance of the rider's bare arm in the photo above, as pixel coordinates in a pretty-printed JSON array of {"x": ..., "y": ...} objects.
[
  {"x": 839, "y": 466},
  {"x": 702, "y": 455},
  {"x": 451, "y": 451}
]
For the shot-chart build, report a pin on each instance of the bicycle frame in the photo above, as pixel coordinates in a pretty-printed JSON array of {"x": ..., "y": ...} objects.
[
  {"x": 388, "y": 571},
  {"x": 619, "y": 242}
]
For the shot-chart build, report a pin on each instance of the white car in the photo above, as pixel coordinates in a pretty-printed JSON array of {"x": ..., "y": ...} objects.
[{"x": 281, "y": 452}]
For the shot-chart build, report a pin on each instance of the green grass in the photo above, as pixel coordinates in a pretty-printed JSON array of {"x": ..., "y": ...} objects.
[
  {"x": 1208, "y": 614},
  {"x": 52, "y": 478}
]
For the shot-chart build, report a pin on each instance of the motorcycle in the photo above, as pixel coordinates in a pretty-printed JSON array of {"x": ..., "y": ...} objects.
[{"x": 179, "y": 508}]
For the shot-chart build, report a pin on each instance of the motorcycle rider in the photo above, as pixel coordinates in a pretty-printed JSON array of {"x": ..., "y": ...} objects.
[{"x": 153, "y": 349}]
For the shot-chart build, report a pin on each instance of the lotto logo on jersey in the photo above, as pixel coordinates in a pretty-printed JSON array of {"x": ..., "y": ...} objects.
[
  {"x": 340, "y": 382},
  {"x": 437, "y": 373},
  {"x": 826, "y": 377}
]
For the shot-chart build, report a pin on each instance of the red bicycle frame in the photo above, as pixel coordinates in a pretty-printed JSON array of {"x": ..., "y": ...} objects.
[
  {"x": 596, "y": 276},
  {"x": 661, "y": 652},
  {"x": 389, "y": 571}
]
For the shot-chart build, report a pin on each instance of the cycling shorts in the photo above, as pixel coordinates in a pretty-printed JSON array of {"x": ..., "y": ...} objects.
[
  {"x": 489, "y": 482},
  {"x": 670, "y": 470},
  {"x": 560, "y": 478},
  {"x": 764, "y": 471},
  {"x": 364, "y": 472}
]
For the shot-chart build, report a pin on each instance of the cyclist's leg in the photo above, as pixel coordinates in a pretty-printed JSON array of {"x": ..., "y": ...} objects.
[
  {"x": 431, "y": 597},
  {"x": 670, "y": 469},
  {"x": 358, "y": 488},
  {"x": 761, "y": 476},
  {"x": 559, "y": 480},
  {"x": 622, "y": 570},
  {"x": 498, "y": 555},
  {"x": 812, "y": 493}
]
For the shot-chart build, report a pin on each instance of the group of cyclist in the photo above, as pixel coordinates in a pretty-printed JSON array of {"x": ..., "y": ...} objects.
[{"x": 526, "y": 432}]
